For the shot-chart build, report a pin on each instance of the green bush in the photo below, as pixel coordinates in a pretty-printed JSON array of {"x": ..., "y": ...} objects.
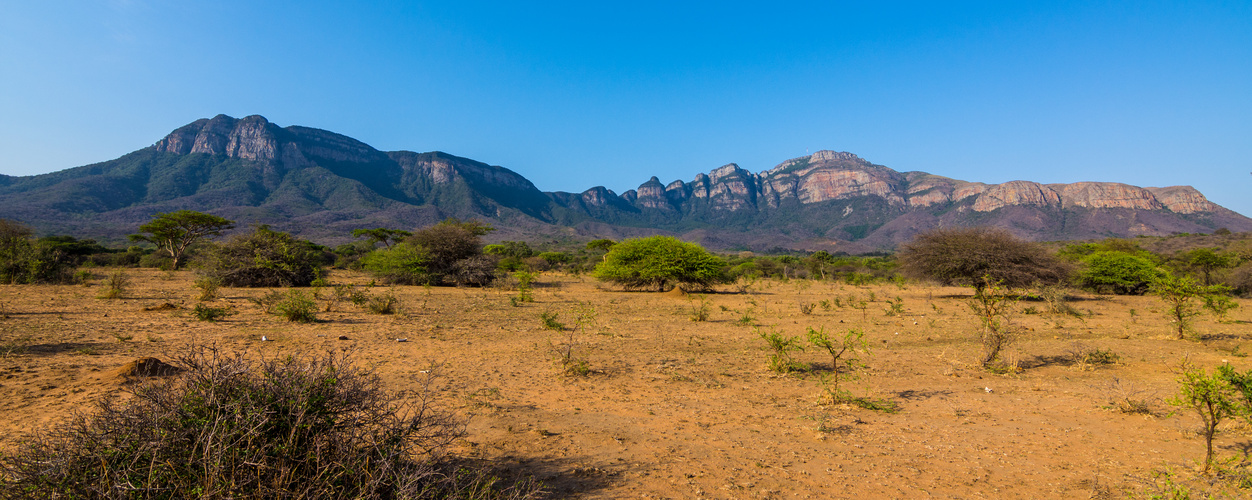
[
  {"x": 208, "y": 313},
  {"x": 386, "y": 303},
  {"x": 115, "y": 285},
  {"x": 401, "y": 264},
  {"x": 286, "y": 427},
  {"x": 263, "y": 258},
  {"x": 782, "y": 346},
  {"x": 455, "y": 252},
  {"x": 296, "y": 306},
  {"x": 1118, "y": 272},
  {"x": 658, "y": 261}
]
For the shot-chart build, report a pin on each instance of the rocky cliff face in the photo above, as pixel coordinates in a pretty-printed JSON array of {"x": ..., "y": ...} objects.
[
  {"x": 321, "y": 184},
  {"x": 828, "y": 175}
]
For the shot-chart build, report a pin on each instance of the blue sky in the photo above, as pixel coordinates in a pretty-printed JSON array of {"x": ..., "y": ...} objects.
[{"x": 578, "y": 94}]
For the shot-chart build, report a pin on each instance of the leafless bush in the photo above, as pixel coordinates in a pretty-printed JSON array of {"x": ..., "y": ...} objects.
[
  {"x": 233, "y": 426},
  {"x": 1126, "y": 398}
]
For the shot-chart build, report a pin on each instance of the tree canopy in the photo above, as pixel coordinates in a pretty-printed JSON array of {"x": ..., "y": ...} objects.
[
  {"x": 175, "y": 231},
  {"x": 972, "y": 256},
  {"x": 658, "y": 261},
  {"x": 381, "y": 235},
  {"x": 1119, "y": 272}
]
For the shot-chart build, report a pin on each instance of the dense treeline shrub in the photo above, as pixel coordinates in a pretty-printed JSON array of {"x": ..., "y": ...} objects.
[
  {"x": 26, "y": 260},
  {"x": 448, "y": 253},
  {"x": 402, "y": 264},
  {"x": 263, "y": 258},
  {"x": 230, "y": 426},
  {"x": 659, "y": 261}
]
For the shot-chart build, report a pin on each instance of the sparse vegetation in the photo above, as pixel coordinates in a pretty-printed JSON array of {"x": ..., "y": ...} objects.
[
  {"x": 208, "y": 288},
  {"x": 1180, "y": 295},
  {"x": 992, "y": 305},
  {"x": 566, "y": 352},
  {"x": 549, "y": 321}
]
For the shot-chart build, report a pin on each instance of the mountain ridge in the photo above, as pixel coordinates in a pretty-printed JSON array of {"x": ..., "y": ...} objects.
[{"x": 321, "y": 184}]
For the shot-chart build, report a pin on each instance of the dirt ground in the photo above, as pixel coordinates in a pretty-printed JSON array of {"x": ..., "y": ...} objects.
[{"x": 675, "y": 408}]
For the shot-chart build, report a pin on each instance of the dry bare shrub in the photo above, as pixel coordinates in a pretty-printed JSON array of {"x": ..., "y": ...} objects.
[
  {"x": 233, "y": 426},
  {"x": 1125, "y": 397},
  {"x": 969, "y": 256}
]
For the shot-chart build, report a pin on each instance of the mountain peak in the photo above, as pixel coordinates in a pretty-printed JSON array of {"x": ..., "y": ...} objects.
[{"x": 250, "y": 138}]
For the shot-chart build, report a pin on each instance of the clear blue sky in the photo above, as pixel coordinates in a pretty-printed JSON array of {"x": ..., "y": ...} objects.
[{"x": 578, "y": 94}]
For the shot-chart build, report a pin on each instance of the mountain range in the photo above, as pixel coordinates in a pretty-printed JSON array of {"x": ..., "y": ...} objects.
[{"x": 321, "y": 185}]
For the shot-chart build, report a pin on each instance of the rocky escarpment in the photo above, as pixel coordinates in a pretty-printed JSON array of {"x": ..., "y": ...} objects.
[
  {"x": 828, "y": 175},
  {"x": 835, "y": 190},
  {"x": 322, "y": 185}
]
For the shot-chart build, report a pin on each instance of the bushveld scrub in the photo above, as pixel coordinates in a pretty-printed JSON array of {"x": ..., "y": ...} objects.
[
  {"x": 115, "y": 285},
  {"x": 24, "y": 260},
  {"x": 992, "y": 305},
  {"x": 1211, "y": 397},
  {"x": 286, "y": 427},
  {"x": 844, "y": 353},
  {"x": 980, "y": 256},
  {"x": 400, "y": 264},
  {"x": 296, "y": 306},
  {"x": 207, "y": 313},
  {"x": 1220, "y": 305},
  {"x": 780, "y": 360},
  {"x": 1180, "y": 295},
  {"x": 386, "y": 303},
  {"x": 263, "y": 258},
  {"x": 548, "y": 320},
  {"x": 566, "y": 352},
  {"x": 208, "y": 288},
  {"x": 699, "y": 308}
]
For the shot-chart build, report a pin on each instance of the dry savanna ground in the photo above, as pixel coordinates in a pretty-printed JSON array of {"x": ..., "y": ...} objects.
[{"x": 675, "y": 408}]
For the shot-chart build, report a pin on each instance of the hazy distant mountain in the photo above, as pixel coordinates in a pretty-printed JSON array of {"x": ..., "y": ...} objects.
[{"x": 322, "y": 185}]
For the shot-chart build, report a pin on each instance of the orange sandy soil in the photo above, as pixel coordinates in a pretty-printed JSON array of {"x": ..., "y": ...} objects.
[{"x": 683, "y": 409}]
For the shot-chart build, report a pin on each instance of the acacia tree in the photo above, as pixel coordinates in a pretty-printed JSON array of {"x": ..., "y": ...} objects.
[
  {"x": 381, "y": 235},
  {"x": 1180, "y": 294},
  {"x": 980, "y": 255},
  {"x": 658, "y": 261},
  {"x": 1212, "y": 397},
  {"x": 1208, "y": 261},
  {"x": 175, "y": 231}
]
